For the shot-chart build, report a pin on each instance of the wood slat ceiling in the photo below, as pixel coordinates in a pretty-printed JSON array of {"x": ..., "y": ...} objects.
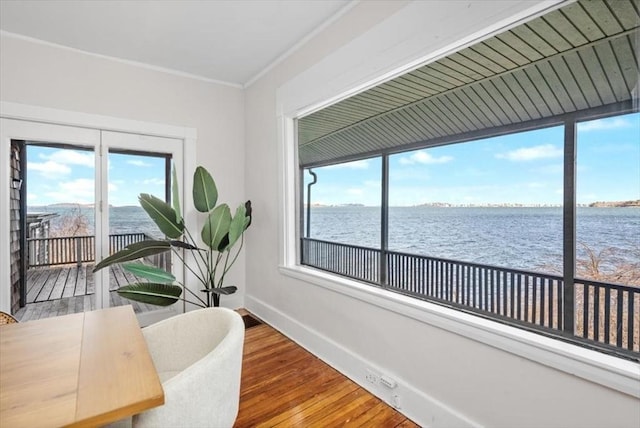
[{"x": 581, "y": 56}]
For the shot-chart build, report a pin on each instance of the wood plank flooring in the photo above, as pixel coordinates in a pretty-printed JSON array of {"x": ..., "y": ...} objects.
[
  {"x": 68, "y": 289},
  {"x": 56, "y": 282},
  {"x": 283, "y": 385}
]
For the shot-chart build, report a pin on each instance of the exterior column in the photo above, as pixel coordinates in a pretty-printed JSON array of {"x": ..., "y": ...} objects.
[
  {"x": 384, "y": 221},
  {"x": 569, "y": 226}
]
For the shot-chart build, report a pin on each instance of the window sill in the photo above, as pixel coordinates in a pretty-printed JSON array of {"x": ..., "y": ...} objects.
[{"x": 612, "y": 372}]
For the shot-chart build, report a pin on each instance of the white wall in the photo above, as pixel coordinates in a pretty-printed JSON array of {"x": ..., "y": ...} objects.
[
  {"x": 47, "y": 76},
  {"x": 446, "y": 379}
]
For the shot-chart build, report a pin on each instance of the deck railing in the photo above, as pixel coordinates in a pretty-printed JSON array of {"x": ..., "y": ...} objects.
[
  {"x": 74, "y": 249},
  {"x": 605, "y": 314}
]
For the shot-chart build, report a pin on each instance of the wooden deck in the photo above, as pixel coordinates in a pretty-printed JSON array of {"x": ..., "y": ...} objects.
[
  {"x": 68, "y": 289},
  {"x": 284, "y": 385}
]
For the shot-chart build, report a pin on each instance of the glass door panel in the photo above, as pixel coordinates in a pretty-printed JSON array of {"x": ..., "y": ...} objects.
[
  {"x": 131, "y": 174},
  {"x": 136, "y": 164},
  {"x": 60, "y": 230},
  {"x": 60, "y": 195},
  {"x": 59, "y": 170}
]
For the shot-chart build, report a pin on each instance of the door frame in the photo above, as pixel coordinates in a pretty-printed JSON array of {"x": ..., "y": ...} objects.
[{"x": 90, "y": 122}]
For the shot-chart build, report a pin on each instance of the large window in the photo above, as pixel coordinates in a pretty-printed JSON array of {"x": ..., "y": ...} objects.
[
  {"x": 482, "y": 225},
  {"x": 496, "y": 201},
  {"x": 608, "y": 198},
  {"x": 608, "y": 230},
  {"x": 345, "y": 203},
  {"x": 509, "y": 178},
  {"x": 342, "y": 218}
]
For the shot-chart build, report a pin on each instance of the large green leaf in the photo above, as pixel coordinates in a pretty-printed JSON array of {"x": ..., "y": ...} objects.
[
  {"x": 175, "y": 195},
  {"x": 224, "y": 242},
  {"x": 205, "y": 193},
  {"x": 221, "y": 290},
  {"x": 151, "y": 273},
  {"x": 134, "y": 252},
  {"x": 216, "y": 227},
  {"x": 162, "y": 215},
  {"x": 182, "y": 244},
  {"x": 249, "y": 213},
  {"x": 237, "y": 226},
  {"x": 153, "y": 294}
]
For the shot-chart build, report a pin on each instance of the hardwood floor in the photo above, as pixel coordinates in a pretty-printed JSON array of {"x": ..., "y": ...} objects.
[{"x": 283, "y": 385}]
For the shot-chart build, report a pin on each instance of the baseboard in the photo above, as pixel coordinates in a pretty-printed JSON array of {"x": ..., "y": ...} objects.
[{"x": 407, "y": 399}]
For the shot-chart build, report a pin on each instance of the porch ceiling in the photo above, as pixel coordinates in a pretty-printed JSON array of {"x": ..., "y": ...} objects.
[{"x": 581, "y": 56}]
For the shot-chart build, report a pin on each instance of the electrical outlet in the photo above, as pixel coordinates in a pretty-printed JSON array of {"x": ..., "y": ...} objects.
[
  {"x": 372, "y": 377},
  {"x": 388, "y": 382}
]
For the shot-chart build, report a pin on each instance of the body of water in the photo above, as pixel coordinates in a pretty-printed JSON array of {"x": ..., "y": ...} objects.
[
  {"x": 525, "y": 238},
  {"x": 127, "y": 219}
]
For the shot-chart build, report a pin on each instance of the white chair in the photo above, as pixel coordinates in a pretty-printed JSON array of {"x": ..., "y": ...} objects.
[{"x": 198, "y": 356}]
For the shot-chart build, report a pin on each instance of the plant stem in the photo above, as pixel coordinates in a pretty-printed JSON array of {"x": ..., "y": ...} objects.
[
  {"x": 194, "y": 294},
  {"x": 193, "y": 242},
  {"x": 189, "y": 267},
  {"x": 215, "y": 269},
  {"x": 193, "y": 303},
  {"x": 189, "y": 239},
  {"x": 235, "y": 257}
]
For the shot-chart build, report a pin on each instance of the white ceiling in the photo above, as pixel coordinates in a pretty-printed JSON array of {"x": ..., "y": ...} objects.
[{"x": 221, "y": 40}]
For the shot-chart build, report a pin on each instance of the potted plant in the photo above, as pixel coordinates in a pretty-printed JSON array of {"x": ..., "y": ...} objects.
[{"x": 213, "y": 255}]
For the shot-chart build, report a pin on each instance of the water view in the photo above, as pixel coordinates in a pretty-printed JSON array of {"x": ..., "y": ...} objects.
[
  {"x": 122, "y": 220},
  {"x": 516, "y": 237},
  {"x": 524, "y": 238}
]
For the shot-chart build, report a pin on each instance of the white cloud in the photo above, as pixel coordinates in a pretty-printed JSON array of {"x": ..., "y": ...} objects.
[
  {"x": 424, "y": 158},
  {"x": 80, "y": 190},
  {"x": 355, "y": 191},
  {"x": 140, "y": 163},
  {"x": 49, "y": 169},
  {"x": 544, "y": 151},
  {"x": 153, "y": 181},
  {"x": 71, "y": 157},
  {"x": 603, "y": 124},
  {"x": 359, "y": 164},
  {"x": 32, "y": 197},
  {"x": 58, "y": 163}
]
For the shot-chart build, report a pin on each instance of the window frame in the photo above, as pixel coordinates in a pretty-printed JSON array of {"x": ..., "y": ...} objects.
[
  {"x": 18, "y": 113},
  {"x": 349, "y": 70},
  {"x": 569, "y": 124}
]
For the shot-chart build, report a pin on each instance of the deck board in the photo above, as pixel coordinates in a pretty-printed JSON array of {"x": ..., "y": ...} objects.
[
  {"x": 283, "y": 385},
  {"x": 70, "y": 288},
  {"x": 81, "y": 282},
  {"x": 61, "y": 290}
]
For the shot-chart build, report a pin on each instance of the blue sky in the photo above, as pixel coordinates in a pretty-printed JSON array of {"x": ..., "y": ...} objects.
[
  {"x": 67, "y": 176},
  {"x": 522, "y": 168}
]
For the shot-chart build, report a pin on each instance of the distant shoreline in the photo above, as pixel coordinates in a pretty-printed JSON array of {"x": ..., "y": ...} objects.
[
  {"x": 598, "y": 204},
  {"x": 619, "y": 204},
  {"x": 506, "y": 205}
]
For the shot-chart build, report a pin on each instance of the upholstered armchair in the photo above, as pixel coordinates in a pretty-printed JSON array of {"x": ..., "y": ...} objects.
[{"x": 198, "y": 356}]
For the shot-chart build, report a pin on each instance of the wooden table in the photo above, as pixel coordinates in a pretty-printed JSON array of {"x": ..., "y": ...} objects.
[{"x": 83, "y": 369}]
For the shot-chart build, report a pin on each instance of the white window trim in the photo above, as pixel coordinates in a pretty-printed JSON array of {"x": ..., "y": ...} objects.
[
  {"x": 334, "y": 78},
  {"x": 16, "y": 111}
]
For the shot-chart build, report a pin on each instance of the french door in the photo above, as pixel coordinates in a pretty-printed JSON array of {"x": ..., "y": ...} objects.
[
  {"x": 123, "y": 164},
  {"x": 135, "y": 164}
]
